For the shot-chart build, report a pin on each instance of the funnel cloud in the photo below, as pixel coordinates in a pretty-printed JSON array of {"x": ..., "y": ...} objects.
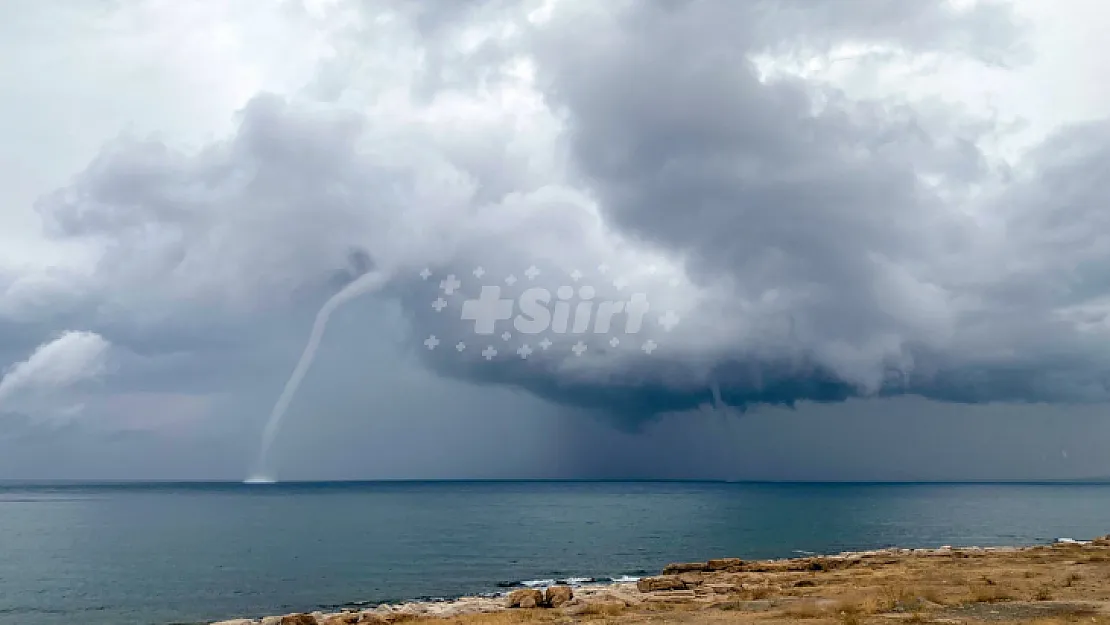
[{"x": 363, "y": 285}]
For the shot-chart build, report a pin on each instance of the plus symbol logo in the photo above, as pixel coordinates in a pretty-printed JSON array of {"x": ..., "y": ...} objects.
[{"x": 487, "y": 310}]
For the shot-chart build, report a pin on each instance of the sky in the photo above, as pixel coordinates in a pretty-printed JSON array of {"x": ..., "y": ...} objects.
[{"x": 785, "y": 239}]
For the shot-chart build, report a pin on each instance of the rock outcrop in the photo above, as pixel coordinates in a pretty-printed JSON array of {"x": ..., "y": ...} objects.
[
  {"x": 557, "y": 596},
  {"x": 683, "y": 567},
  {"x": 525, "y": 598},
  {"x": 553, "y": 597},
  {"x": 343, "y": 618},
  {"x": 724, "y": 564},
  {"x": 661, "y": 582}
]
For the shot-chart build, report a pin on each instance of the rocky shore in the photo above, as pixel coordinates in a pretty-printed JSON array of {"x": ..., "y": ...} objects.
[{"x": 1064, "y": 582}]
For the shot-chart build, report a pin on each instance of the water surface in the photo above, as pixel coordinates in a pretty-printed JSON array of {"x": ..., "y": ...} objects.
[{"x": 186, "y": 553}]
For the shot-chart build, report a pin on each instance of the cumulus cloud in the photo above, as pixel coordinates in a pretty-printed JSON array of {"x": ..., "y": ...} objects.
[
  {"x": 816, "y": 245},
  {"x": 53, "y": 369}
]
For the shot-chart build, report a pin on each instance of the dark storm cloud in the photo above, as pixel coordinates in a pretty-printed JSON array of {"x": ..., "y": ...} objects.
[
  {"x": 686, "y": 146},
  {"x": 828, "y": 247}
]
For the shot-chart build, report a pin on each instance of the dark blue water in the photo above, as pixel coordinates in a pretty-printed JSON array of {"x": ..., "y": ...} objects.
[{"x": 190, "y": 553}]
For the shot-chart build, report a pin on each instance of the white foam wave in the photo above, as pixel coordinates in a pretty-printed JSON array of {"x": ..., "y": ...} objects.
[{"x": 625, "y": 579}]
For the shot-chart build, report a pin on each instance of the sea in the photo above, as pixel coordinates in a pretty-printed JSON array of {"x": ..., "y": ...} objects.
[{"x": 117, "y": 554}]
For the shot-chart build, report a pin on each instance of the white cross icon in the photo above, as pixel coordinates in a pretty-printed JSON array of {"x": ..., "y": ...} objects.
[
  {"x": 489, "y": 352},
  {"x": 487, "y": 310},
  {"x": 649, "y": 346},
  {"x": 479, "y": 272},
  {"x": 576, "y": 275},
  {"x": 460, "y": 346},
  {"x": 545, "y": 343},
  {"x": 425, "y": 273},
  {"x": 613, "y": 342},
  {"x": 450, "y": 284},
  {"x": 431, "y": 342},
  {"x": 524, "y": 351},
  {"x": 532, "y": 272},
  {"x": 506, "y": 335},
  {"x": 578, "y": 348},
  {"x": 668, "y": 320},
  {"x": 439, "y": 304},
  {"x": 620, "y": 283},
  {"x": 511, "y": 280},
  {"x": 603, "y": 268}
]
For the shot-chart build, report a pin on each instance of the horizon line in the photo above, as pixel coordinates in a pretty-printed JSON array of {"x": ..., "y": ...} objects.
[{"x": 230, "y": 481}]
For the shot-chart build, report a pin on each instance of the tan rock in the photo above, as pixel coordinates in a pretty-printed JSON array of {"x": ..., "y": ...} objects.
[
  {"x": 723, "y": 564},
  {"x": 525, "y": 598},
  {"x": 343, "y": 618},
  {"x": 270, "y": 620},
  {"x": 660, "y": 582},
  {"x": 370, "y": 618},
  {"x": 683, "y": 567},
  {"x": 626, "y": 599},
  {"x": 299, "y": 619},
  {"x": 411, "y": 609},
  {"x": 557, "y": 596},
  {"x": 691, "y": 579},
  {"x": 236, "y": 621},
  {"x": 603, "y": 606},
  {"x": 466, "y": 605},
  {"x": 673, "y": 596}
]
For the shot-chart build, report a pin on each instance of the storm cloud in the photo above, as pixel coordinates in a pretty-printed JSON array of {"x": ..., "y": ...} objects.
[
  {"x": 795, "y": 236},
  {"x": 825, "y": 246}
]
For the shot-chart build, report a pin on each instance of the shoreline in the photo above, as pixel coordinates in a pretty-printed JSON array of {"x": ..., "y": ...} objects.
[
  {"x": 499, "y": 590},
  {"x": 725, "y": 584}
]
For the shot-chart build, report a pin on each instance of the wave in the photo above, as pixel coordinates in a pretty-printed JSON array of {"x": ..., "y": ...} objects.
[{"x": 568, "y": 581}]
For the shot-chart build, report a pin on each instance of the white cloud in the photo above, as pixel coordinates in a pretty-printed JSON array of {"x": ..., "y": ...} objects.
[{"x": 54, "y": 368}]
